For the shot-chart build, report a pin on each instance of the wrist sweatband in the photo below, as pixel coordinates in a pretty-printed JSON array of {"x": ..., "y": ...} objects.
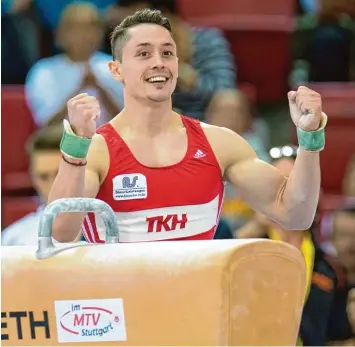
[
  {"x": 73, "y": 146},
  {"x": 313, "y": 141}
]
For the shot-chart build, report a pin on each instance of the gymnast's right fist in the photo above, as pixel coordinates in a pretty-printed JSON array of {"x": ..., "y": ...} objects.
[{"x": 83, "y": 111}]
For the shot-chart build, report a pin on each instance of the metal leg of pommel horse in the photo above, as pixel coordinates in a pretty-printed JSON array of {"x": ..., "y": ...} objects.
[{"x": 46, "y": 248}]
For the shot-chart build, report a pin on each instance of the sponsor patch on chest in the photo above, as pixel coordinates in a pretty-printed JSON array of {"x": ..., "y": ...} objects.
[{"x": 129, "y": 187}]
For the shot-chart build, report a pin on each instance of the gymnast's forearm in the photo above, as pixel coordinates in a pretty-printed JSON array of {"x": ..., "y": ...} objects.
[
  {"x": 301, "y": 193},
  {"x": 69, "y": 183}
]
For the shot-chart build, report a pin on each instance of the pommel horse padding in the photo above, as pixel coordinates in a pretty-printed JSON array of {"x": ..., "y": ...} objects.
[{"x": 186, "y": 293}]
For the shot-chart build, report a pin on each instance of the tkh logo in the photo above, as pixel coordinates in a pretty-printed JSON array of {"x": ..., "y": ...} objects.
[{"x": 166, "y": 223}]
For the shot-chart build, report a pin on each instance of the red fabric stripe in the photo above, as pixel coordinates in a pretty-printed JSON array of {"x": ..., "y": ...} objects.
[
  {"x": 96, "y": 235},
  {"x": 85, "y": 229}
]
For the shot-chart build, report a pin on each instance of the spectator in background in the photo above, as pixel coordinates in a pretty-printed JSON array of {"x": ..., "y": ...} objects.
[
  {"x": 309, "y": 6},
  {"x": 19, "y": 40},
  {"x": 51, "y": 11},
  {"x": 233, "y": 110},
  {"x": 343, "y": 238},
  {"x": 327, "y": 32},
  {"x": 45, "y": 157},
  {"x": 206, "y": 65},
  {"x": 82, "y": 68},
  {"x": 327, "y": 314},
  {"x": 327, "y": 220}
]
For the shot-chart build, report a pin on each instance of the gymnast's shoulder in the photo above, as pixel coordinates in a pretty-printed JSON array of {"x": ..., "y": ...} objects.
[{"x": 227, "y": 144}]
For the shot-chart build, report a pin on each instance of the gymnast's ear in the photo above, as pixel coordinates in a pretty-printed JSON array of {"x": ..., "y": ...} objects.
[{"x": 115, "y": 68}]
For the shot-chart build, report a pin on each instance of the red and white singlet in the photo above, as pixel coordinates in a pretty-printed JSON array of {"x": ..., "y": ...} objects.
[{"x": 177, "y": 202}]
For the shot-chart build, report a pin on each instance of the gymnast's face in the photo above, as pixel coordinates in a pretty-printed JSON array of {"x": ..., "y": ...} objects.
[
  {"x": 149, "y": 66},
  {"x": 44, "y": 168}
]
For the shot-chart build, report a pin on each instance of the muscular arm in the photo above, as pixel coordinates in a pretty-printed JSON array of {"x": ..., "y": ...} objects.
[
  {"x": 291, "y": 202},
  {"x": 78, "y": 181}
]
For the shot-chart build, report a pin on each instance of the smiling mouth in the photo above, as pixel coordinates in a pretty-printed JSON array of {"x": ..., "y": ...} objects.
[{"x": 157, "y": 79}]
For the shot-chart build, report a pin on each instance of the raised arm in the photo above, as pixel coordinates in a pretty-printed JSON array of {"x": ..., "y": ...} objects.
[
  {"x": 292, "y": 201},
  {"x": 77, "y": 181},
  {"x": 82, "y": 169}
]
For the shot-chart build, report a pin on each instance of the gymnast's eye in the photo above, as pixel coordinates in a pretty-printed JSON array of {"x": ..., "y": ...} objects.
[{"x": 143, "y": 54}]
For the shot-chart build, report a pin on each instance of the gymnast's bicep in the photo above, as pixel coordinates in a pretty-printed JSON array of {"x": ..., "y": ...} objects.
[
  {"x": 98, "y": 162},
  {"x": 92, "y": 183}
]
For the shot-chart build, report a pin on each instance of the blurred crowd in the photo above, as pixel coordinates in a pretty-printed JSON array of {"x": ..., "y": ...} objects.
[{"x": 235, "y": 69}]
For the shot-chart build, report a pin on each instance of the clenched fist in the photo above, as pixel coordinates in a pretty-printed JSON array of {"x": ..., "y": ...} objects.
[
  {"x": 83, "y": 111},
  {"x": 306, "y": 108}
]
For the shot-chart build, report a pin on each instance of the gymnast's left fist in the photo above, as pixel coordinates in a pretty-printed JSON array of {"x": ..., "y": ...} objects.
[{"x": 305, "y": 108}]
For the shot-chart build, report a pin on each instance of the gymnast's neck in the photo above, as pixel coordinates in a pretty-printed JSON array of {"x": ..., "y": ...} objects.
[{"x": 148, "y": 118}]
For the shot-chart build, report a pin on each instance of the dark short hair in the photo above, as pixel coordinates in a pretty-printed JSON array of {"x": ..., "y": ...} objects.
[
  {"x": 120, "y": 35},
  {"x": 45, "y": 139}
]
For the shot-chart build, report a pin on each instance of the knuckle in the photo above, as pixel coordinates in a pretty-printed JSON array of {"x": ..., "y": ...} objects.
[
  {"x": 76, "y": 103},
  {"x": 91, "y": 99},
  {"x": 88, "y": 112}
]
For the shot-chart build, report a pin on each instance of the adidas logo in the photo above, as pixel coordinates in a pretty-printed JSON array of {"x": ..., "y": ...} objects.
[{"x": 199, "y": 154}]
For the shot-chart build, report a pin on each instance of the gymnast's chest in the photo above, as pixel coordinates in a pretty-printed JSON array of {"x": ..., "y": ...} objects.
[{"x": 141, "y": 188}]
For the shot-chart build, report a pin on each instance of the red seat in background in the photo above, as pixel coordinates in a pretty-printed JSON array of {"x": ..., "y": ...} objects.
[
  {"x": 338, "y": 99},
  {"x": 17, "y": 125},
  {"x": 259, "y": 33},
  {"x": 339, "y": 149},
  {"x": 201, "y": 8},
  {"x": 14, "y": 208}
]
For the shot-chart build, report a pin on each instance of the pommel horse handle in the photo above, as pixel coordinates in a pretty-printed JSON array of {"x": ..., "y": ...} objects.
[{"x": 46, "y": 248}]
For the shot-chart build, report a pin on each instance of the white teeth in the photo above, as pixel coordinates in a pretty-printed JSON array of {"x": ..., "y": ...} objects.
[{"x": 157, "y": 79}]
